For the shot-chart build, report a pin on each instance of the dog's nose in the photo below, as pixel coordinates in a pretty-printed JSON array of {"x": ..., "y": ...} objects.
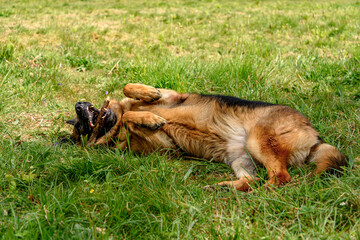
[{"x": 78, "y": 106}]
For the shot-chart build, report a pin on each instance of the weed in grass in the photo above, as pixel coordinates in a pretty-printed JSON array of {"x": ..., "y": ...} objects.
[{"x": 6, "y": 52}]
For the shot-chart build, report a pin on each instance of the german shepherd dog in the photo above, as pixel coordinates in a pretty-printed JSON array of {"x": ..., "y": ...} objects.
[{"x": 226, "y": 129}]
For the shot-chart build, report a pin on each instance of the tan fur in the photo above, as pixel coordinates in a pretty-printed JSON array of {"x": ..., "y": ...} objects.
[
  {"x": 327, "y": 158},
  {"x": 275, "y": 136}
]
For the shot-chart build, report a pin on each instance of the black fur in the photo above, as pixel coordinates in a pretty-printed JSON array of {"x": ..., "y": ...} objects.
[
  {"x": 84, "y": 116},
  {"x": 234, "y": 101},
  {"x": 320, "y": 140}
]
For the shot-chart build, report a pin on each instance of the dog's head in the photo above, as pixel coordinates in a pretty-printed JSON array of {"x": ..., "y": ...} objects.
[{"x": 84, "y": 123}]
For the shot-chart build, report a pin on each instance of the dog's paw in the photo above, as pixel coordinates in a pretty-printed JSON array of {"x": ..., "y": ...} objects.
[
  {"x": 154, "y": 123},
  {"x": 142, "y": 92},
  {"x": 152, "y": 95}
]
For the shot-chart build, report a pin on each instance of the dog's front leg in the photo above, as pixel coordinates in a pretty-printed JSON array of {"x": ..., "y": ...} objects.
[
  {"x": 110, "y": 135},
  {"x": 141, "y": 92},
  {"x": 153, "y": 95},
  {"x": 142, "y": 123}
]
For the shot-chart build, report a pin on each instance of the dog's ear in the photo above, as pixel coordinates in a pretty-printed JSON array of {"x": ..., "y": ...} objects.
[{"x": 71, "y": 121}]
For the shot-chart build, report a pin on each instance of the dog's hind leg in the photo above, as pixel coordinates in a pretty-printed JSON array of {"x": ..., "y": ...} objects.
[
  {"x": 245, "y": 171},
  {"x": 264, "y": 145},
  {"x": 243, "y": 184},
  {"x": 282, "y": 139}
]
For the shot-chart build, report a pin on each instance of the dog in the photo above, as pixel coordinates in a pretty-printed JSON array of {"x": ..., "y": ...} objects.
[{"x": 237, "y": 132}]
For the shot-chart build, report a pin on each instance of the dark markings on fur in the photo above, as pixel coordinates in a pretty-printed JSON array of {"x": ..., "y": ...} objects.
[
  {"x": 234, "y": 101},
  {"x": 155, "y": 126},
  {"x": 337, "y": 163},
  {"x": 320, "y": 139},
  {"x": 313, "y": 149}
]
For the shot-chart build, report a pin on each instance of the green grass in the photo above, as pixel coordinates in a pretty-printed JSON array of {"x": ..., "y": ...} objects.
[{"x": 304, "y": 54}]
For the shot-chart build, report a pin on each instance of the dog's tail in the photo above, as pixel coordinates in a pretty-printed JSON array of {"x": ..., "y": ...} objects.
[{"x": 328, "y": 158}]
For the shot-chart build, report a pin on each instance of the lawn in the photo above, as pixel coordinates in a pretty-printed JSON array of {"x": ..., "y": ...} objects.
[{"x": 304, "y": 54}]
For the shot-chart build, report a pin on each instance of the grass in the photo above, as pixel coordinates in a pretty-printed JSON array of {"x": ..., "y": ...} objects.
[{"x": 304, "y": 54}]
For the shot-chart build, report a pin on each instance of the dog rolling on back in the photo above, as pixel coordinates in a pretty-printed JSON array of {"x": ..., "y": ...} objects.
[{"x": 226, "y": 129}]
